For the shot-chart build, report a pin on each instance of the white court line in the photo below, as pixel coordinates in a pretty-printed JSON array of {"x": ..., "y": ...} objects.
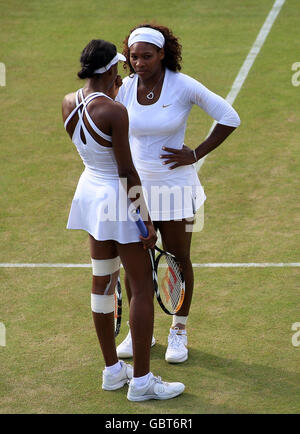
[
  {"x": 208, "y": 265},
  {"x": 248, "y": 264},
  {"x": 247, "y": 65}
]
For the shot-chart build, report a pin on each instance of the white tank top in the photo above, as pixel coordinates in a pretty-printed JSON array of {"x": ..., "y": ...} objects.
[{"x": 98, "y": 160}]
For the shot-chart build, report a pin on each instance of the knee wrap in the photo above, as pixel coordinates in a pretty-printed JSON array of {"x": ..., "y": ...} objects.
[
  {"x": 102, "y": 303},
  {"x": 104, "y": 267},
  {"x": 107, "y": 268}
]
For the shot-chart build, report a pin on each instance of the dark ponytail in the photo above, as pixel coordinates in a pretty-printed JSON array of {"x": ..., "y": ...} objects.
[{"x": 96, "y": 54}]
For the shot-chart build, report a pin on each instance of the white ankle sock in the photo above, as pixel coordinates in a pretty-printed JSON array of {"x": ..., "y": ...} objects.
[
  {"x": 114, "y": 369},
  {"x": 141, "y": 381}
]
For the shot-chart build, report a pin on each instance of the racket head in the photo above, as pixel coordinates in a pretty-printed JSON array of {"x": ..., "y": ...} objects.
[
  {"x": 118, "y": 307},
  {"x": 170, "y": 290}
]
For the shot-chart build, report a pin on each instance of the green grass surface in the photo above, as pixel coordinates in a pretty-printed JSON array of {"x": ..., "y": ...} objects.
[{"x": 241, "y": 356}]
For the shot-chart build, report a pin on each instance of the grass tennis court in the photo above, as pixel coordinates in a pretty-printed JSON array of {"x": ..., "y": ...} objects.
[{"x": 241, "y": 357}]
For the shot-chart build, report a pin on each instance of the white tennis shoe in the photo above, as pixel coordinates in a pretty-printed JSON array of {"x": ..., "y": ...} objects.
[
  {"x": 114, "y": 382},
  {"x": 154, "y": 389},
  {"x": 124, "y": 349},
  {"x": 177, "y": 351}
]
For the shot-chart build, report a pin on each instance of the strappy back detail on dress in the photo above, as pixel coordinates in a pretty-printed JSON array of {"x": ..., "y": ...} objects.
[
  {"x": 100, "y": 203},
  {"x": 81, "y": 109}
]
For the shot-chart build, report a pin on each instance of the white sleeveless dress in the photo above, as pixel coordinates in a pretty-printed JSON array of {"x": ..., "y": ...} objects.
[{"x": 100, "y": 204}]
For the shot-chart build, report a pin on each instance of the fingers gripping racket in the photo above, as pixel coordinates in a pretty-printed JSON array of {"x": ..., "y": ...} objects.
[
  {"x": 118, "y": 306},
  {"x": 169, "y": 285}
]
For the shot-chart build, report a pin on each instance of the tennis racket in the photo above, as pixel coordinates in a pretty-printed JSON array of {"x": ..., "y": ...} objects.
[
  {"x": 169, "y": 285},
  {"x": 118, "y": 306}
]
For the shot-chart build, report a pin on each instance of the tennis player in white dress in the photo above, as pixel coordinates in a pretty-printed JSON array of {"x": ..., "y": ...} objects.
[
  {"x": 98, "y": 126},
  {"x": 159, "y": 98}
]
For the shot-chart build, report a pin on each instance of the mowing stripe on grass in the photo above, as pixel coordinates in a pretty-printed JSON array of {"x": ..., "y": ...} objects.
[
  {"x": 208, "y": 265},
  {"x": 247, "y": 65}
]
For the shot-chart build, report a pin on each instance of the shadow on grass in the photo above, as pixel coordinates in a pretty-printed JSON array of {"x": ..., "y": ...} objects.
[
  {"x": 255, "y": 388},
  {"x": 272, "y": 379}
]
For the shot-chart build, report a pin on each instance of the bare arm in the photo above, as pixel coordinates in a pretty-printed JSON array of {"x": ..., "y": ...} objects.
[
  {"x": 68, "y": 105},
  {"x": 126, "y": 169}
]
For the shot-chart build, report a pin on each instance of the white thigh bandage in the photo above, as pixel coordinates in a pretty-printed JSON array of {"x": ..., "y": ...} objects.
[
  {"x": 104, "y": 267},
  {"x": 102, "y": 303}
]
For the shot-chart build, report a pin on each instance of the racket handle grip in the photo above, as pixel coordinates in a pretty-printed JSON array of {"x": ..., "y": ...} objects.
[
  {"x": 140, "y": 224},
  {"x": 142, "y": 227}
]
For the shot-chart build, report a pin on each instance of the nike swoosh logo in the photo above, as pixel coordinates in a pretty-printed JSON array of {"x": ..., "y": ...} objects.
[{"x": 167, "y": 105}]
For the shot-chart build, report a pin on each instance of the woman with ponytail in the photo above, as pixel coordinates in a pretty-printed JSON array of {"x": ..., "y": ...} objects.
[{"x": 98, "y": 126}]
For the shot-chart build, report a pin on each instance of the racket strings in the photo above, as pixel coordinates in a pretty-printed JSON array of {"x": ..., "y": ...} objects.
[
  {"x": 170, "y": 282},
  {"x": 118, "y": 307}
]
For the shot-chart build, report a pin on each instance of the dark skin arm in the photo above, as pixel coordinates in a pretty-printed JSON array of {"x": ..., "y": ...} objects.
[
  {"x": 185, "y": 156},
  {"x": 126, "y": 168}
]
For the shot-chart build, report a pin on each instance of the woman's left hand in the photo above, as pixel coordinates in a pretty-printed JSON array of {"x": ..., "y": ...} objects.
[{"x": 181, "y": 157}]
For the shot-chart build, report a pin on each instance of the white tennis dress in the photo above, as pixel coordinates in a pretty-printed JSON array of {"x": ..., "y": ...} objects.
[
  {"x": 177, "y": 193},
  {"x": 100, "y": 204}
]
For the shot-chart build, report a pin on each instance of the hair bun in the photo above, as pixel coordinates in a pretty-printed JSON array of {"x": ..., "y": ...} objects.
[{"x": 86, "y": 71}]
